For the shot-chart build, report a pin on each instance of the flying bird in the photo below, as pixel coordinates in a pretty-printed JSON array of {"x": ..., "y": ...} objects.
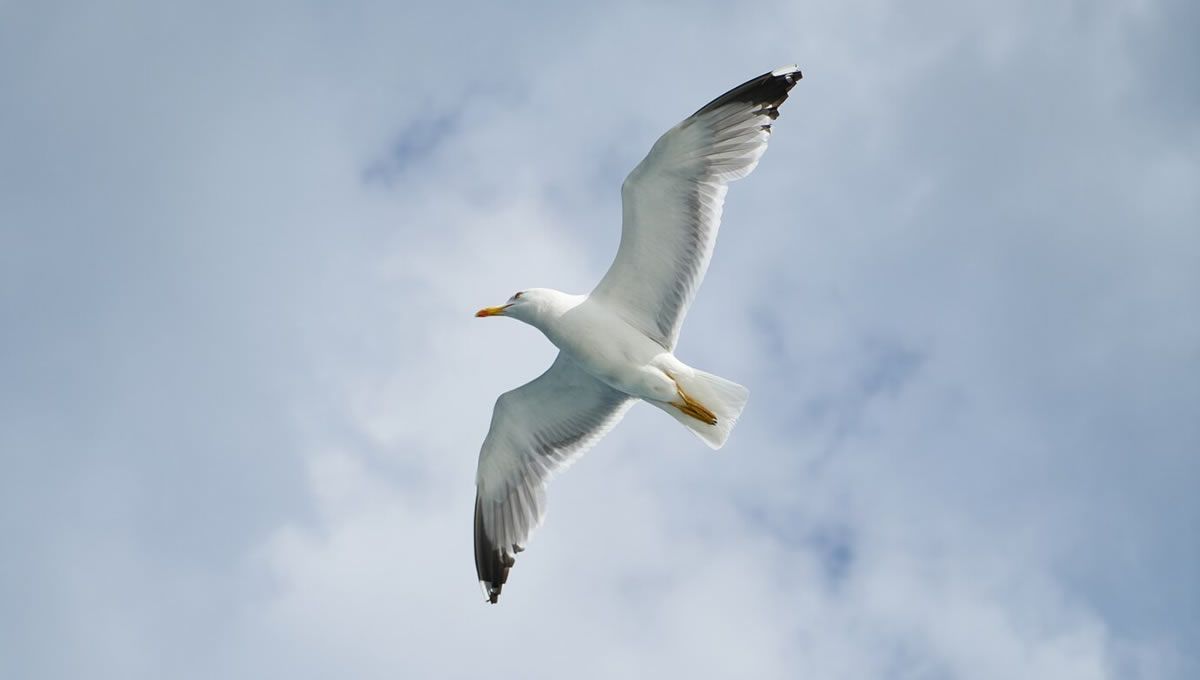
[{"x": 616, "y": 344}]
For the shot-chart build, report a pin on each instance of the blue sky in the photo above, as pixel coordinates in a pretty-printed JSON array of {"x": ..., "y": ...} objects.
[{"x": 243, "y": 392}]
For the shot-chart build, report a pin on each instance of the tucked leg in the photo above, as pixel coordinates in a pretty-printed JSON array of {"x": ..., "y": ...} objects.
[{"x": 693, "y": 408}]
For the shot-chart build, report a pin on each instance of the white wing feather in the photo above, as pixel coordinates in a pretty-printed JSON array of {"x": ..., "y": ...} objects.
[
  {"x": 537, "y": 429},
  {"x": 672, "y": 204}
]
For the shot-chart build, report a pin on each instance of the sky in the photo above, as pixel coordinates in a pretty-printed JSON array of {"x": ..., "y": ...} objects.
[{"x": 242, "y": 392}]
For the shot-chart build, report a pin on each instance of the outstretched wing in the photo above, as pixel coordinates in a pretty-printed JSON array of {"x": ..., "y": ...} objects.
[
  {"x": 537, "y": 429},
  {"x": 672, "y": 203}
]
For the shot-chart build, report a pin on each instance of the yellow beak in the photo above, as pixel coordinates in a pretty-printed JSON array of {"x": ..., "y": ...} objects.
[{"x": 491, "y": 311}]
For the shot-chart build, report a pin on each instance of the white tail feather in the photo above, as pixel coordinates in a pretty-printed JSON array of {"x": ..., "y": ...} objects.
[{"x": 724, "y": 398}]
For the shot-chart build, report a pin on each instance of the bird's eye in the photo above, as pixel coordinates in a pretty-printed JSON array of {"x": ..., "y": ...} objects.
[{"x": 517, "y": 295}]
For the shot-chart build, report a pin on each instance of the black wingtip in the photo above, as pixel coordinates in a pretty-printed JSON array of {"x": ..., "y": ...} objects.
[
  {"x": 768, "y": 90},
  {"x": 491, "y": 564}
]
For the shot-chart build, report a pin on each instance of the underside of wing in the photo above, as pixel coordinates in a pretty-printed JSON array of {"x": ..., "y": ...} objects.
[
  {"x": 537, "y": 429},
  {"x": 672, "y": 202}
]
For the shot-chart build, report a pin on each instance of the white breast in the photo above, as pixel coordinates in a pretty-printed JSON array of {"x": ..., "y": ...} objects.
[{"x": 610, "y": 349}]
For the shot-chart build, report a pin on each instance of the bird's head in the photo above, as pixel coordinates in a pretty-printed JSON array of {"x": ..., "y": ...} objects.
[
  {"x": 528, "y": 305},
  {"x": 522, "y": 305},
  {"x": 502, "y": 310}
]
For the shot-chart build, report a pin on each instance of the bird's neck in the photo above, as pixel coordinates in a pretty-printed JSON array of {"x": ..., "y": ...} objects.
[{"x": 547, "y": 315}]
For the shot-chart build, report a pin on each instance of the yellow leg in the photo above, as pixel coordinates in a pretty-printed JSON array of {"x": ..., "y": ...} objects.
[{"x": 693, "y": 408}]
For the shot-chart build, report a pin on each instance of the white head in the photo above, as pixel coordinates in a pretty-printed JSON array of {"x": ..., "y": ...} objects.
[{"x": 531, "y": 305}]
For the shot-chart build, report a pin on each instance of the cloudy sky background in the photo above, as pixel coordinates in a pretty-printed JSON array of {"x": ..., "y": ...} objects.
[{"x": 242, "y": 393}]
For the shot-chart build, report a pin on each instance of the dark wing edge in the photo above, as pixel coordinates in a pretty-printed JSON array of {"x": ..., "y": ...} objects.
[
  {"x": 491, "y": 564},
  {"x": 768, "y": 90}
]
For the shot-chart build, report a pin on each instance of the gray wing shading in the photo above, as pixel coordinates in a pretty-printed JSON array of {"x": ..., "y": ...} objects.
[
  {"x": 537, "y": 429},
  {"x": 672, "y": 202}
]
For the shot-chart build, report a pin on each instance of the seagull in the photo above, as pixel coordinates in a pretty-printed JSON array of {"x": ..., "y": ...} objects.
[{"x": 616, "y": 345}]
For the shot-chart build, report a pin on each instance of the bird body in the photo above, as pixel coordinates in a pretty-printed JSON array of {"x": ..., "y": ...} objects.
[
  {"x": 616, "y": 344},
  {"x": 603, "y": 344}
]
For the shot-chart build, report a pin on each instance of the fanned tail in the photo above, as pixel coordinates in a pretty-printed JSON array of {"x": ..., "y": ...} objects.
[{"x": 725, "y": 399}]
